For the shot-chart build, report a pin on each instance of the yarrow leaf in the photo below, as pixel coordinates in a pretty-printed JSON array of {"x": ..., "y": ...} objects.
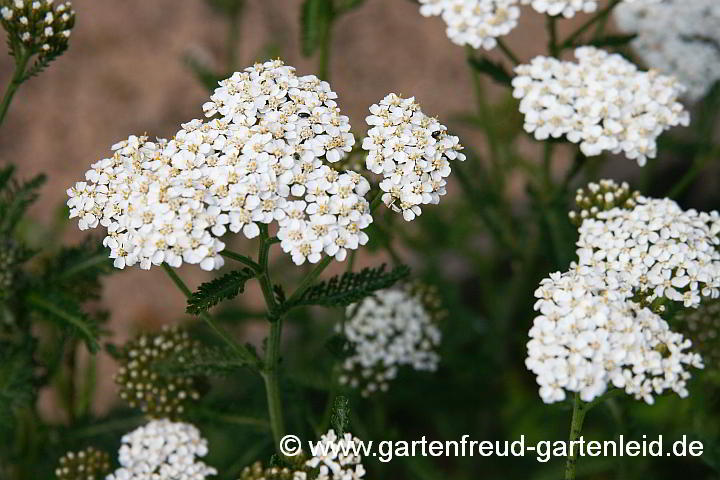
[
  {"x": 16, "y": 380},
  {"x": 211, "y": 293},
  {"x": 65, "y": 311},
  {"x": 16, "y": 197},
  {"x": 340, "y": 414},
  {"x": 206, "y": 361},
  {"x": 613, "y": 40},
  {"x": 350, "y": 287},
  {"x": 494, "y": 70}
]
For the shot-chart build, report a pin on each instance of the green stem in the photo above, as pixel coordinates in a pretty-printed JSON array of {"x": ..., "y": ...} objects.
[
  {"x": 509, "y": 53},
  {"x": 552, "y": 32},
  {"x": 21, "y": 61},
  {"x": 306, "y": 282},
  {"x": 580, "y": 408},
  {"x": 241, "y": 258},
  {"x": 324, "y": 56},
  {"x": 601, "y": 16},
  {"x": 242, "y": 351},
  {"x": 270, "y": 371},
  {"x": 234, "y": 37},
  {"x": 376, "y": 201}
]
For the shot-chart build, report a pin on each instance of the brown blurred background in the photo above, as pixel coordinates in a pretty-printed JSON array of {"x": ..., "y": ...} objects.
[{"x": 125, "y": 74}]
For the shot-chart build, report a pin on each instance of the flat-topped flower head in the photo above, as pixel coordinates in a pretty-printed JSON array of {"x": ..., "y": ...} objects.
[
  {"x": 339, "y": 461},
  {"x": 163, "y": 449},
  {"x": 39, "y": 27},
  {"x": 589, "y": 337},
  {"x": 143, "y": 385},
  {"x": 677, "y": 37},
  {"x": 393, "y": 328},
  {"x": 477, "y": 23},
  {"x": 265, "y": 157},
  {"x": 566, "y": 8},
  {"x": 87, "y": 464},
  {"x": 411, "y": 151},
  {"x": 601, "y": 102},
  {"x": 601, "y": 196},
  {"x": 655, "y": 252}
]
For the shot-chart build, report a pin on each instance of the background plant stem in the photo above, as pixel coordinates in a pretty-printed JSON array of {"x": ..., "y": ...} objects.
[{"x": 21, "y": 62}]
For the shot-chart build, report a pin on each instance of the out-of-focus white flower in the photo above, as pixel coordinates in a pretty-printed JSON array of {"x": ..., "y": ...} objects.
[
  {"x": 566, "y": 8},
  {"x": 341, "y": 459},
  {"x": 393, "y": 328},
  {"x": 602, "y": 102},
  {"x": 477, "y": 23},
  {"x": 411, "y": 151},
  {"x": 655, "y": 250},
  {"x": 87, "y": 464},
  {"x": 589, "y": 336},
  {"x": 677, "y": 37},
  {"x": 260, "y": 160},
  {"x": 163, "y": 449}
]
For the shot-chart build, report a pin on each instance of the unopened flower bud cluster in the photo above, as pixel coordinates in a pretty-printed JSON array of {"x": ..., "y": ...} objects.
[
  {"x": 260, "y": 159},
  {"x": 677, "y": 37},
  {"x": 411, "y": 151},
  {"x": 141, "y": 385},
  {"x": 588, "y": 336},
  {"x": 39, "y": 26},
  {"x": 163, "y": 449},
  {"x": 336, "y": 465},
  {"x": 88, "y": 464},
  {"x": 257, "y": 471},
  {"x": 601, "y": 196},
  {"x": 601, "y": 102},
  {"x": 391, "y": 329}
]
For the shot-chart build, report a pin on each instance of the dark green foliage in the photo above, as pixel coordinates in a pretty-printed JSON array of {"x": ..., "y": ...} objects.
[
  {"x": 350, "y": 287},
  {"x": 340, "y": 414},
  {"x": 211, "y": 293},
  {"x": 77, "y": 269},
  {"x": 65, "y": 311},
  {"x": 205, "y": 361},
  {"x": 613, "y": 40},
  {"x": 17, "y": 387},
  {"x": 494, "y": 70},
  {"x": 16, "y": 197},
  {"x": 316, "y": 19}
]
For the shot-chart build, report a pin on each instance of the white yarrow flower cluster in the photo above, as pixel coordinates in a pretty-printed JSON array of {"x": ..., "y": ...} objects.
[
  {"x": 391, "y": 329},
  {"x": 411, "y": 151},
  {"x": 477, "y": 23},
  {"x": 260, "y": 160},
  {"x": 588, "y": 337},
  {"x": 656, "y": 250},
  {"x": 602, "y": 102},
  {"x": 339, "y": 461},
  {"x": 163, "y": 449},
  {"x": 566, "y": 8},
  {"x": 677, "y": 37}
]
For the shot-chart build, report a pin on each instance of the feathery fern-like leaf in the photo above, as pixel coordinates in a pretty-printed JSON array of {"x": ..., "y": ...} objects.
[
  {"x": 211, "y": 293},
  {"x": 350, "y": 287}
]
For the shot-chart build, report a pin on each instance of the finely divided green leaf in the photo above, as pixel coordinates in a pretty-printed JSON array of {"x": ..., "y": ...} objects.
[
  {"x": 65, "y": 311},
  {"x": 211, "y": 293},
  {"x": 15, "y": 198},
  {"x": 206, "y": 361},
  {"x": 350, "y": 287},
  {"x": 494, "y": 70}
]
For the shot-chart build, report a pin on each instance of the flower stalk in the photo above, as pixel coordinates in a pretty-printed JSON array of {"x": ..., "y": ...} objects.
[{"x": 21, "y": 61}]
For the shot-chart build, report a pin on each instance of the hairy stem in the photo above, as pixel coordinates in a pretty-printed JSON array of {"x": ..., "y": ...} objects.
[
  {"x": 580, "y": 408},
  {"x": 21, "y": 61},
  {"x": 241, "y": 258},
  {"x": 552, "y": 32}
]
